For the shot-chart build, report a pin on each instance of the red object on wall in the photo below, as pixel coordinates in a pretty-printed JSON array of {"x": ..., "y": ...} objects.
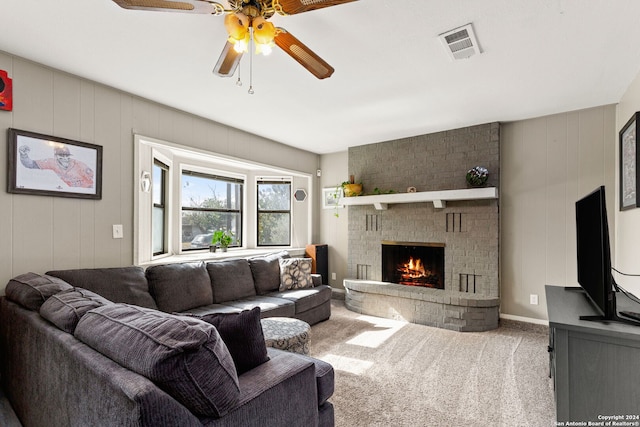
[{"x": 6, "y": 92}]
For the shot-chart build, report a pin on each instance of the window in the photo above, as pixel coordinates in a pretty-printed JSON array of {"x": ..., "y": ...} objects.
[
  {"x": 210, "y": 203},
  {"x": 159, "y": 215},
  {"x": 274, "y": 213},
  {"x": 195, "y": 192}
]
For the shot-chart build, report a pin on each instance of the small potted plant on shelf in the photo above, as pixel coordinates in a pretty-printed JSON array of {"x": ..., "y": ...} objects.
[
  {"x": 350, "y": 188},
  {"x": 477, "y": 176},
  {"x": 222, "y": 238}
]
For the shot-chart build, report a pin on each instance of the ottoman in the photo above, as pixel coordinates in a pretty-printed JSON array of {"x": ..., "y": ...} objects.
[{"x": 286, "y": 334}]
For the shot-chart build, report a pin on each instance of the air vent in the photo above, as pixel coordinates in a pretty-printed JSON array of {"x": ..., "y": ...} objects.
[{"x": 460, "y": 43}]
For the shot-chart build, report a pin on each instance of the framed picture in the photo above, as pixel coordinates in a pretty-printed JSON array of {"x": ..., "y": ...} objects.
[
  {"x": 50, "y": 166},
  {"x": 629, "y": 164},
  {"x": 331, "y": 198}
]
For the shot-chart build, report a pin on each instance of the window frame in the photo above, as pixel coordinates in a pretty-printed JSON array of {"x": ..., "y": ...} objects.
[
  {"x": 164, "y": 196},
  {"x": 178, "y": 156},
  {"x": 271, "y": 181},
  {"x": 219, "y": 176}
]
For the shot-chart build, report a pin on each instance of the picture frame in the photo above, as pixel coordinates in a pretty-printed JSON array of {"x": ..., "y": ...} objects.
[
  {"x": 331, "y": 197},
  {"x": 51, "y": 166},
  {"x": 629, "y": 172}
]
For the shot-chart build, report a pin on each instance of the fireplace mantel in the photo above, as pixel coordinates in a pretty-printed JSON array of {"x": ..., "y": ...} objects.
[{"x": 439, "y": 198}]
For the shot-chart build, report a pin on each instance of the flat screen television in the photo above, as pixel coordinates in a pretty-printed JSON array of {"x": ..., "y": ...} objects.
[{"x": 594, "y": 254}]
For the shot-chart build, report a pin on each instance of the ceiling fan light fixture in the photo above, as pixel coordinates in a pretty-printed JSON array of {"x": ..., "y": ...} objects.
[
  {"x": 241, "y": 45},
  {"x": 237, "y": 26},
  {"x": 263, "y": 34}
]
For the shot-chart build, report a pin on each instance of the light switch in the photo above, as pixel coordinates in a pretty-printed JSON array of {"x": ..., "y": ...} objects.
[{"x": 117, "y": 231}]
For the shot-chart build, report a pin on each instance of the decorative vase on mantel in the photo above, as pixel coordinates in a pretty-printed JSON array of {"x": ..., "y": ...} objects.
[{"x": 477, "y": 176}]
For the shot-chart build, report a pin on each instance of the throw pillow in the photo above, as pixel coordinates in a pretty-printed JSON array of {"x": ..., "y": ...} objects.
[
  {"x": 242, "y": 333},
  {"x": 31, "y": 290},
  {"x": 184, "y": 356},
  {"x": 295, "y": 273},
  {"x": 66, "y": 308}
]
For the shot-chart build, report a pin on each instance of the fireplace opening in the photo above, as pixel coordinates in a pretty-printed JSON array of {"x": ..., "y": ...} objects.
[{"x": 413, "y": 264}]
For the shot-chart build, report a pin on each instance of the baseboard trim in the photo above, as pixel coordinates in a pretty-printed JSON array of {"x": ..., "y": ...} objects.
[
  {"x": 522, "y": 322},
  {"x": 524, "y": 319}
]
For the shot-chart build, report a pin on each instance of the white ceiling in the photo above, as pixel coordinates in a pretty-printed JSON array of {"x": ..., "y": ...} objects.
[{"x": 393, "y": 78}]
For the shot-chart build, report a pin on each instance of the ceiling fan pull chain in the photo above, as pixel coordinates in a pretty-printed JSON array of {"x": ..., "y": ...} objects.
[
  {"x": 250, "y": 91},
  {"x": 239, "y": 82}
]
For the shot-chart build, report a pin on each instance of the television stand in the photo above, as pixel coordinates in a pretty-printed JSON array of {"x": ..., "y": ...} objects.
[
  {"x": 595, "y": 365},
  {"x": 631, "y": 320}
]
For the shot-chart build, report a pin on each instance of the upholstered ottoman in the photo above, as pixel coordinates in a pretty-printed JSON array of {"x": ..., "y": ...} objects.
[{"x": 286, "y": 334}]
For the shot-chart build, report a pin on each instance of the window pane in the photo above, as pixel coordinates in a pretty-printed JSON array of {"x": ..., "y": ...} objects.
[
  {"x": 210, "y": 203},
  {"x": 202, "y": 225},
  {"x": 158, "y": 217},
  {"x": 274, "y": 197},
  {"x": 158, "y": 231},
  {"x": 274, "y": 229},
  {"x": 158, "y": 185},
  {"x": 204, "y": 192}
]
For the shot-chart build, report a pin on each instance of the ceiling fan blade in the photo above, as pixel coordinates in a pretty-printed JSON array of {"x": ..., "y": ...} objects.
[
  {"x": 228, "y": 61},
  {"x": 188, "y": 6},
  {"x": 291, "y": 7},
  {"x": 301, "y": 53}
]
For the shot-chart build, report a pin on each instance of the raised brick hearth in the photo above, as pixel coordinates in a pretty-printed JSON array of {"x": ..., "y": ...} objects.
[
  {"x": 468, "y": 230},
  {"x": 457, "y": 311}
]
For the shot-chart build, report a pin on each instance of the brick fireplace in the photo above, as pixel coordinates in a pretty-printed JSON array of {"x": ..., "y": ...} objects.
[{"x": 468, "y": 231}]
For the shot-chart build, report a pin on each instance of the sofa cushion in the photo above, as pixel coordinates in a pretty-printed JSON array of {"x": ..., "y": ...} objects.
[
  {"x": 31, "y": 290},
  {"x": 295, "y": 273},
  {"x": 230, "y": 280},
  {"x": 325, "y": 375},
  {"x": 66, "y": 308},
  {"x": 180, "y": 287},
  {"x": 269, "y": 306},
  {"x": 306, "y": 299},
  {"x": 266, "y": 272},
  {"x": 242, "y": 333},
  {"x": 184, "y": 356},
  {"x": 120, "y": 284},
  {"x": 211, "y": 308}
]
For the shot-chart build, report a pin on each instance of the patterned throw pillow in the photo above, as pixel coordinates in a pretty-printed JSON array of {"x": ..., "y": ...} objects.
[{"x": 295, "y": 273}]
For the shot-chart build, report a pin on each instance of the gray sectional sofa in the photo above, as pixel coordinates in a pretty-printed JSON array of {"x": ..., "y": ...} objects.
[{"x": 128, "y": 347}]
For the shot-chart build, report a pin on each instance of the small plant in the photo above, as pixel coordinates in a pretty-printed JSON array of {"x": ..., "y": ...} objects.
[
  {"x": 222, "y": 237},
  {"x": 351, "y": 188},
  {"x": 377, "y": 191},
  {"x": 477, "y": 176}
]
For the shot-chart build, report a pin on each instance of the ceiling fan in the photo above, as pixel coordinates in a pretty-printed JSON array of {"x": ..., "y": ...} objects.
[{"x": 246, "y": 21}]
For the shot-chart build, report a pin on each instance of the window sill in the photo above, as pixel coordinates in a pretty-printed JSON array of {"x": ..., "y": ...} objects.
[{"x": 214, "y": 256}]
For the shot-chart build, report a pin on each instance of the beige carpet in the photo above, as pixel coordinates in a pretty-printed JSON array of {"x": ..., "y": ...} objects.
[{"x": 392, "y": 373}]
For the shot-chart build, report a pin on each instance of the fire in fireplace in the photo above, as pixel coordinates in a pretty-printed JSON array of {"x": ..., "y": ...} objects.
[{"x": 413, "y": 263}]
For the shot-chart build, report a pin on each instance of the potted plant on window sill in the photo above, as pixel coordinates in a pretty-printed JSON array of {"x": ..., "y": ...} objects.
[{"x": 222, "y": 238}]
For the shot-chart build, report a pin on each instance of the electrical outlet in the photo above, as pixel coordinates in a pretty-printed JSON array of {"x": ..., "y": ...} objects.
[
  {"x": 333, "y": 276},
  {"x": 533, "y": 299},
  {"x": 117, "y": 231}
]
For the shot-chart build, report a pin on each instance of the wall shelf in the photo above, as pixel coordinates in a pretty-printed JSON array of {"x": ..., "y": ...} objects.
[{"x": 439, "y": 198}]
